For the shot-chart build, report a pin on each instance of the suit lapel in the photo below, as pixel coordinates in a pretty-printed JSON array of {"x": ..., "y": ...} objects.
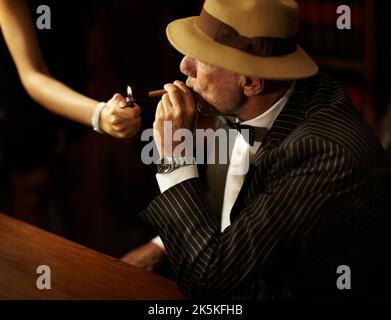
[
  {"x": 290, "y": 117},
  {"x": 214, "y": 175}
]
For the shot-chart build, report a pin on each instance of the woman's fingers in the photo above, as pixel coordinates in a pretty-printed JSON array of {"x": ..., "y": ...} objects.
[{"x": 118, "y": 121}]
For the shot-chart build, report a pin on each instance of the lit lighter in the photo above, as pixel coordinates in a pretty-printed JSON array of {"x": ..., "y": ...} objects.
[{"x": 129, "y": 98}]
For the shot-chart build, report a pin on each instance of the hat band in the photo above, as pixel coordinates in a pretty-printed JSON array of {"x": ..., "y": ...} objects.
[{"x": 259, "y": 46}]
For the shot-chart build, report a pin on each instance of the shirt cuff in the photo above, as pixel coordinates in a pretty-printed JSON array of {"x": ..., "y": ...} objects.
[
  {"x": 158, "y": 242},
  {"x": 168, "y": 180}
]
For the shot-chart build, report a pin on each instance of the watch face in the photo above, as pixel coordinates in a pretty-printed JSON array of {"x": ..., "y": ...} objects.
[
  {"x": 164, "y": 167},
  {"x": 168, "y": 164}
]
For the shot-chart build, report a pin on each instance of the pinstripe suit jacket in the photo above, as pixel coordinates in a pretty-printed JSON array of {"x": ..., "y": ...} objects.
[{"x": 315, "y": 198}]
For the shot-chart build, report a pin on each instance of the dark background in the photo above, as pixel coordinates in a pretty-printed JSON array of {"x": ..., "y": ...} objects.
[{"x": 63, "y": 177}]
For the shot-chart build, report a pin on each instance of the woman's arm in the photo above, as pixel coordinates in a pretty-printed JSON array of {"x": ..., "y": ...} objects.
[{"x": 21, "y": 39}]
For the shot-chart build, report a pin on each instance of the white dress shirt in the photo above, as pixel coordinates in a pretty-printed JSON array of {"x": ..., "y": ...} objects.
[{"x": 242, "y": 155}]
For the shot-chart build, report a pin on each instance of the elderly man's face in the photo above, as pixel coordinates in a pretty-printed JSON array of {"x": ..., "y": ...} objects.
[{"x": 219, "y": 88}]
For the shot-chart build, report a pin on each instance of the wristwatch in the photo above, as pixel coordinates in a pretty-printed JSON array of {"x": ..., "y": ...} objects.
[{"x": 168, "y": 164}]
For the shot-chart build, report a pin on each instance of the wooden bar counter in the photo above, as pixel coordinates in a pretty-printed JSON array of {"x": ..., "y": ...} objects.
[{"x": 76, "y": 271}]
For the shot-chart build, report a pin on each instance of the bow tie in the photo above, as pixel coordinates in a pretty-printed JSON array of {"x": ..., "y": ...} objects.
[{"x": 251, "y": 131}]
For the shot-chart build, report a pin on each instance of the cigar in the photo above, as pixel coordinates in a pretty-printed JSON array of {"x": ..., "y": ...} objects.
[{"x": 156, "y": 93}]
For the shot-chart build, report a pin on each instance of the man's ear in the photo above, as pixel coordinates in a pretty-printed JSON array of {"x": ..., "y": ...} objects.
[{"x": 252, "y": 86}]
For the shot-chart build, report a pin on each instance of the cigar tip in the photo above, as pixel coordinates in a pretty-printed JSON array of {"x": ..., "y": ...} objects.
[{"x": 156, "y": 93}]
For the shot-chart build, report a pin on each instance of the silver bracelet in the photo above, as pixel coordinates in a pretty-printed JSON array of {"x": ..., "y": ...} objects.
[{"x": 96, "y": 116}]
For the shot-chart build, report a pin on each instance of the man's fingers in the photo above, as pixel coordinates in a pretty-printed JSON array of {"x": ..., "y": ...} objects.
[
  {"x": 181, "y": 86},
  {"x": 187, "y": 95},
  {"x": 175, "y": 96},
  {"x": 159, "y": 113},
  {"x": 148, "y": 257},
  {"x": 167, "y": 106}
]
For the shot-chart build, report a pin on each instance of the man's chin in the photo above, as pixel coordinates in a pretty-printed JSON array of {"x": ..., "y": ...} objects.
[
  {"x": 207, "y": 110},
  {"x": 203, "y": 107}
]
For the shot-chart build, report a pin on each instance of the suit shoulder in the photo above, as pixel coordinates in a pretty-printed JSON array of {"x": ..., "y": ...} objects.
[{"x": 331, "y": 116}]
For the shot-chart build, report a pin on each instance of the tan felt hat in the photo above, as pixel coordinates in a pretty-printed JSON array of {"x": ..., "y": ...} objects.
[{"x": 250, "y": 37}]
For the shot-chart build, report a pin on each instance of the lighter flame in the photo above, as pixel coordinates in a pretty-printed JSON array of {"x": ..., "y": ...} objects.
[{"x": 129, "y": 91}]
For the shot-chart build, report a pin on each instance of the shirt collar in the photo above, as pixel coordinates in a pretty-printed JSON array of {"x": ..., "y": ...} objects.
[{"x": 266, "y": 119}]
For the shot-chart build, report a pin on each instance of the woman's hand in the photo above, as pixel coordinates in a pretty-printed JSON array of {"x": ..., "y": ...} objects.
[{"x": 118, "y": 120}]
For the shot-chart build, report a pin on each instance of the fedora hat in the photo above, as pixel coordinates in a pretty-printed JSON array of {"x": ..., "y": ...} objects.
[{"x": 250, "y": 37}]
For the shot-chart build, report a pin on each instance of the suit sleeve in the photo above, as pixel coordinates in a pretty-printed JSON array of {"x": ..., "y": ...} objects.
[{"x": 311, "y": 179}]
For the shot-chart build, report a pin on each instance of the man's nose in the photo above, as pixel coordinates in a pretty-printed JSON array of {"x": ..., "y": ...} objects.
[{"x": 188, "y": 67}]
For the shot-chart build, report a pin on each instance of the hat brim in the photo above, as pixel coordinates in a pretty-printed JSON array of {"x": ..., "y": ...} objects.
[{"x": 185, "y": 36}]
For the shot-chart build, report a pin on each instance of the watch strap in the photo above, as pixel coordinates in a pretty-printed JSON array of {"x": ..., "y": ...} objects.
[{"x": 169, "y": 164}]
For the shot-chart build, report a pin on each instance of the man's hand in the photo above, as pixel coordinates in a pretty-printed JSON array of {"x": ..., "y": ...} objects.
[
  {"x": 178, "y": 107},
  {"x": 118, "y": 120},
  {"x": 149, "y": 257}
]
